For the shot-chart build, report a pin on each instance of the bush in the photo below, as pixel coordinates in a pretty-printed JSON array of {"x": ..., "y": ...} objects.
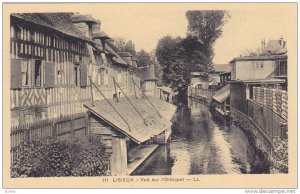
[
  {"x": 48, "y": 158},
  {"x": 280, "y": 158}
]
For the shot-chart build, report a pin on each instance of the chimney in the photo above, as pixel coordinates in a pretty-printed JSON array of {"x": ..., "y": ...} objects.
[
  {"x": 263, "y": 45},
  {"x": 96, "y": 27},
  {"x": 281, "y": 42}
]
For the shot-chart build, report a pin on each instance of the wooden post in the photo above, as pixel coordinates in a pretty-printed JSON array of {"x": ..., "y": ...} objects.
[
  {"x": 87, "y": 124},
  {"x": 54, "y": 130},
  {"x": 72, "y": 128},
  {"x": 134, "y": 87},
  {"x": 93, "y": 104},
  {"x": 118, "y": 160},
  {"x": 115, "y": 89}
]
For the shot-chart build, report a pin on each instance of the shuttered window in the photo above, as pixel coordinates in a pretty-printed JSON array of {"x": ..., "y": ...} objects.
[
  {"x": 25, "y": 70},
  {"x": 49, "y": 75},
  {"x": 37, "y": 73},
  {"x": 83, "y": 76},
  {"x": 106, "y": 77},
  {"x": 16, "y": 81},
  {"x": 119, "y": 76},
  {"x": 101, "y": 76}
]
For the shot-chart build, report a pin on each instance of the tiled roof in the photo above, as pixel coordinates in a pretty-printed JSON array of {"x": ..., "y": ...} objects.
[
  {"x": 222, "y": 94},
  {"x": 138, "y": 131},
  {"x": 260, "y": 57},
  {"x": 125, "y": 54},
  {"x": 221, "y": 67},
  {"x": 258, "y": 81},
  {"x": 101, "y": 35},
  {"x": 83, "y": 18},
  {"x": 118, "y": 58},
  {"x": 60, "y": 22},
  {"x": 274, "y": 47}
]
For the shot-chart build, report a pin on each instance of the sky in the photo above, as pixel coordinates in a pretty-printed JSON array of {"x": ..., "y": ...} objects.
[{"x": 145, "y": 24}]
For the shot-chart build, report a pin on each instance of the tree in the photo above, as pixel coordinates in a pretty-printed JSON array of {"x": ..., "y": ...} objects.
[
  {"x": 157, "y": 68},
  {"x": 179, "y": 57},
  {"x": 204, "y": 28},
  {"x": 120, "y": 43},
  {"x": 248, "y": 52},
  {"x": 144, "y": 59},
  {"x": 124, "y": 46},
  {"x": 172, "y": 56},
  {"x": 130, "y": 47}
]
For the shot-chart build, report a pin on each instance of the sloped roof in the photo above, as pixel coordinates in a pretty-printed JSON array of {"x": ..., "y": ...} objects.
[
  {"x": 147, "y": 73},
  {"x": 125, "y": 54},
  {"x": 274, "y": 47},
  {"x": 222, "y": 94},
  {"x": 83, "y": 18},
  {"x": 101, "y": 35},
  {"x": 259, "y": 81},
  {"x": 260, "y": 57},
  {"x": 138, "y": 131},
  {"x": 118, "y": 58},
  {"x": 222, "y": 67},
  {"x": 59, "y": 21}
]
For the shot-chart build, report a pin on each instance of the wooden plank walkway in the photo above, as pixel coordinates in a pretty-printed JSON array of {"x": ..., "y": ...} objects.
[{"x": 138, "y": 155}]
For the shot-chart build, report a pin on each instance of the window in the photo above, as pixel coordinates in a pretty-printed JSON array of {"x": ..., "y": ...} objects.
[
  {"x": 12, "y": 32},
  {"x": 37, "y": 72},
  {"x": 101, "y": 76},
  {"x": 28, "y": 118},
  {"x": 119, "y": 76},
  {"x": 106, "y": 77},
  {"x": 25, "y": 70},
  {"x": 40, "y": 114},
  {"x": 281, "y": 68},
  {"x": 257, "y": 65},
  {"x": 75, "y": 76}
]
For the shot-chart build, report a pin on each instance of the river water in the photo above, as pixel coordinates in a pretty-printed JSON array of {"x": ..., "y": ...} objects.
[{"x": 201, "y": 144}]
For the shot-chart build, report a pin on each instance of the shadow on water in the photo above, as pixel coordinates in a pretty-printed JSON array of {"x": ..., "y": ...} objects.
[{"x": 202, "y": 144}]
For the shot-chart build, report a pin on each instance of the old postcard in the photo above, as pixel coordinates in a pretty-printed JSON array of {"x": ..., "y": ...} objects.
[{"x": 150, "y": 95}]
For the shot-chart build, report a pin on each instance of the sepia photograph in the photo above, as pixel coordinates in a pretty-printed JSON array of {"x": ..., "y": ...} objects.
[{"x": 163, "y": 92}]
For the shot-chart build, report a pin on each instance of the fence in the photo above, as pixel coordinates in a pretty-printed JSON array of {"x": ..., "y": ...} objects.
[
  {"x": 63, "y": 128},
  {"x": 200, "y": 92},
  {"x": 273, "y": 99},
  {"x": 269, "y": 122}
]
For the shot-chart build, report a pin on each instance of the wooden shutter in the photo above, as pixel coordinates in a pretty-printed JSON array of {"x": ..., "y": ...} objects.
[
  {"x": 15, "y": 74},
  {"x": 49, "y": 75},
  {"x": 83, "y": 76}
]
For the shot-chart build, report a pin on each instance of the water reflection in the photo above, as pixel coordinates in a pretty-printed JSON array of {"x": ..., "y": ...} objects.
[{"x": 201, "y": 145}]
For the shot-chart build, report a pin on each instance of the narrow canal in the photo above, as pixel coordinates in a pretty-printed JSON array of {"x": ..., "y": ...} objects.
[{"x": 201, "y": 144}]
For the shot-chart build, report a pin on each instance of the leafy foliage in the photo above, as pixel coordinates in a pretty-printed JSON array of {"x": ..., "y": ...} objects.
[
  {"x": 130, "y": 47},
  {"x": 280, "y": 158},
  {"x": 206, "y": 25},
  {"x": 48, "y": 158},
  {"x": 144, "y": 59},
  {"x": 124, "y": 46},
  {"x": 181, "y": 56}
]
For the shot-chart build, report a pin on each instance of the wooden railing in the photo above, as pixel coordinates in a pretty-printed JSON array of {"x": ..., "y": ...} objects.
[
  {"x": 63, "y": 128},
  {"x": 206, "y": 93}
]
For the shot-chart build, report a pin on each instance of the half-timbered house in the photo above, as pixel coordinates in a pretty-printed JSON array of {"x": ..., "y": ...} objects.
[
  {"x": 49, "y": 59},
  {"x": 68, "y": 79}
]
